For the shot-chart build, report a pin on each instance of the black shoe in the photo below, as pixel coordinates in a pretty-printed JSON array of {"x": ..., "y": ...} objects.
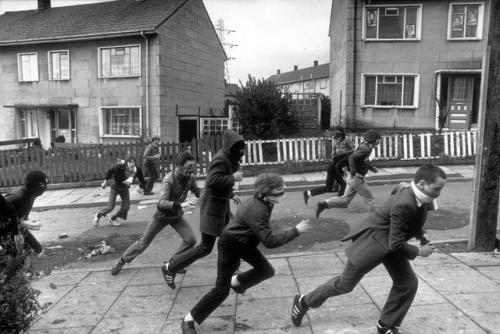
[
  {"x": 319, "y": 208},
  {"x": 187, "y": 327},
  {"x": 306, "y": 196},
  {"x": 117, "y": 267},
  {"x": 387, "y": 330},
  {"x": 168, "y": 276},
  {"x": 298, "y": 312}
]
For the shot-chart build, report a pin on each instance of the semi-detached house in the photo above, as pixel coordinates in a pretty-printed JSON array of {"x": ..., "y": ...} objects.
[
  {"x": 403, "y": 64},
  {"x": 113, "y": 71}
]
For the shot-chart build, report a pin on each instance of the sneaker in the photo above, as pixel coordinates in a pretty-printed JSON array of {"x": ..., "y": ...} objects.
[
  {"x": 238, "y": 289},
  {"x": 117, "y": 221},
  {"x": 187, "y": 327},
  {"x": 387, "y": 330},
  {"x": 298, "y": 312},
  {"x": 168, "y": 276},
  {"x": 96, "y": 220},
  {"x": 117, "y": 267},
  {"x": 306, "y": 196},
  {"x": 319, "y": 208}
]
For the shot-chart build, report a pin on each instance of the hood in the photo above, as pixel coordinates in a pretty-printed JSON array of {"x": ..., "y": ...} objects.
[{"x": 229, "y": 138}]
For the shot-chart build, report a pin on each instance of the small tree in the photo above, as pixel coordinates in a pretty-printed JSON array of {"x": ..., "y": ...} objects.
[{"x": 264, "y": 112}]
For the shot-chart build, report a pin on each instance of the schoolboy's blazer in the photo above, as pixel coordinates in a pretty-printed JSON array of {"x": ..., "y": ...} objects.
[{"x": 388, "y": 229}]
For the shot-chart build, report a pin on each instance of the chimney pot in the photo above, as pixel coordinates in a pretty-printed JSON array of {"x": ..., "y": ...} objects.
[
  {"x": 315, "y": 63},
  {"x": 295, "y": 67},
  {"x": 278, "y": 71},
  {"x": 43, "y": 4}
]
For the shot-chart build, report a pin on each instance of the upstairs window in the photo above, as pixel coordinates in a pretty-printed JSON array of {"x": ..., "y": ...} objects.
[
  {"x": 392, "y": 22},
  {"x": 465, "y": 21},
  {"x": 123, "y": 61},
  {"x": 27, "y": 66},
  {"x": 121, "y": 122},
  {"x": 390, "y": 91},
  {"x": 58, "y": 65}
]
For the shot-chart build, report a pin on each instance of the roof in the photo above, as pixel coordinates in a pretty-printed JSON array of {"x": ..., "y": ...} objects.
[
  {"x": 86, "y": 21},
  {"x": 314, "y": 72}
]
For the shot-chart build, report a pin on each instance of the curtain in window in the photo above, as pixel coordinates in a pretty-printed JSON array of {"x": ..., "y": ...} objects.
[
  {"x": 370, "y": 90},
  {"x": 408, "y": 91},
  {"x": 389, "y": 94}
]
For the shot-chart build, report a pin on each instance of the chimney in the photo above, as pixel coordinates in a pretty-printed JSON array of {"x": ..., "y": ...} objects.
[
  {"x": 278, "y": 71},
  {"x": 315, "y": 63},
  {"x": 43, "y": 4},
  {"x": 295, "y": 67}
]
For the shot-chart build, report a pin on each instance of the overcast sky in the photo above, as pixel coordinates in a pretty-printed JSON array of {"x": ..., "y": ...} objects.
[{"x": 268, "y": 34}]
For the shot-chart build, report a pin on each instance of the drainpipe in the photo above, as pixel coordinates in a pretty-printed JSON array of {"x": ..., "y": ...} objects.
[
  {"x": 354, "y": 52},
  {"x": 147, "y": 83}
]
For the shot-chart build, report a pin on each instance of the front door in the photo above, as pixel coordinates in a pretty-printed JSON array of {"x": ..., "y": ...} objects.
[
  {"x": 63, "y": 124},
  {"x": 460, "y": 98}
]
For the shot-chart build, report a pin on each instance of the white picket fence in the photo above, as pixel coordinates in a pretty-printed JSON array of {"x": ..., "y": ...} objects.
[{"x": 453, "y": 144}]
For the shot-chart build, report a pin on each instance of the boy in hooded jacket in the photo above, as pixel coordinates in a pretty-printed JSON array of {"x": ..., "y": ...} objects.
[
  {"x": 121, "y": 177},
  {"x": 249, "y": 227},
  {"x": 175, "y": 188},
  {"x": 215, "y": 212}
]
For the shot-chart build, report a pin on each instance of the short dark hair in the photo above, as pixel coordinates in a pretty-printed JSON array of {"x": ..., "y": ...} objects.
[
  {"x": 182, "y": 157},
  {"x": 429, "y": 172}
]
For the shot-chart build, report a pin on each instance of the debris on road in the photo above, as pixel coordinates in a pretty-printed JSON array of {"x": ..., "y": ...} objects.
[
  {"x": 99, "y": 249},
  {"x": 63, "y": 235}
]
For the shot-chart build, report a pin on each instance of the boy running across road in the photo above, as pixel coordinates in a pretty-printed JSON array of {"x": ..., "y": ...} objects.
[
  {"x": 359, "y": 165},
  {"x": 121, "y": 177},
  {"x": 239, "y": 240},
  {"x": 175, "y": 188},
  {"x": 382, "y": 238}
]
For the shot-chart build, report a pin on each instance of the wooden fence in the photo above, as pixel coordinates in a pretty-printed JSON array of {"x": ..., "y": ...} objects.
[{"x": 89, "y": 162}]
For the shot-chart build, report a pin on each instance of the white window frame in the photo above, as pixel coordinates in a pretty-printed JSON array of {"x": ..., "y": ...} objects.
[
  {"x": 20, "y": 67},
  {"x": 49, "y": 64},
  {"x": 203, "y": 119},
  {"x": 416, "y": 91},
  {"x": 101, "y": 76},
  {"x": 418, "y": 29},
  {"x": 480, "y": 21},
  {"x": 102, "y": 127}
]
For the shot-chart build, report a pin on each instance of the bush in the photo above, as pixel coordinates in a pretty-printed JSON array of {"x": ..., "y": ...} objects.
[{"x": 19, "y": 306}]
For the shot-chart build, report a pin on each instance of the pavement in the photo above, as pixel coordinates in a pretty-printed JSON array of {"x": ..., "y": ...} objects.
[{"x": 458, "y": 292}]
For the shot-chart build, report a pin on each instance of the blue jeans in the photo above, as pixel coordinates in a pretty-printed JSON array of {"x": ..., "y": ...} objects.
[{"x": 179, "y": 224}]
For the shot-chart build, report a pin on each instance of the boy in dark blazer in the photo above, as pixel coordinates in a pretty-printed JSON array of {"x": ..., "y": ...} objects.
[
  {"x": 382, "y": 238},
  {"x": 222, "y": 174}
]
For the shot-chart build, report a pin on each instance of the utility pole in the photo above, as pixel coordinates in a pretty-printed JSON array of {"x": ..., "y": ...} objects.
[
  {"x": 484, "y": 211},
  {"x": 222, "y": 32}
]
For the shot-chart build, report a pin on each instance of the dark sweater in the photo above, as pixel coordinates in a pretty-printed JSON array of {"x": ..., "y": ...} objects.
[{"x": 250, "y": 225}]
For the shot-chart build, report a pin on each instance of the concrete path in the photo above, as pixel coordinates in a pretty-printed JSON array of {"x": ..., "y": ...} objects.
[
  {"x": 458, "y": 293},
  {"x": 95, "y": 196}
]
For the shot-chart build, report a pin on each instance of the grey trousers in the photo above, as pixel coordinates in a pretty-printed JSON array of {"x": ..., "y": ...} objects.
[
  {"x": 403, "y": 291},
  {"x": 355, "y": 185},
  {"x": 179, "y": 224},
  {"x": 125, "y": 206}
]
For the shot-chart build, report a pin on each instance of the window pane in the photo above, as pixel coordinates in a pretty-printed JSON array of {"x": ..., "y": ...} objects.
[
  {"x": 122, "y": 121},
  {"x": 371, "y": 23},
  {"x": 471, "y": 28},
  {"x": 411, "y": 22},
  {"x": 409, "y": 89},
  {"x": 391, "y": 26},
  {"x": 389, "y": 94},
  {"x": 370, "y": 90},
  {"x": 105, "y": 62},
  {"x": 457, "y": 25}
]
